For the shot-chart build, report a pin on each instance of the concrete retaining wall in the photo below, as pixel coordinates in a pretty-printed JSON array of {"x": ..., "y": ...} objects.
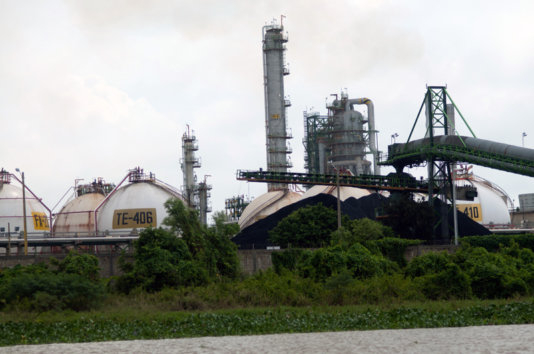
[
  {"x": 251, "y": 261},
  {"x": 109, "y": 263},
  {"x": 414, "y": 251}
]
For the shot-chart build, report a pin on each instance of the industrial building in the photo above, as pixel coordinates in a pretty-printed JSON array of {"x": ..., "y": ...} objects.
[
  {"x": 344, "y": 142},
  {"x": 341, "y": 140}
]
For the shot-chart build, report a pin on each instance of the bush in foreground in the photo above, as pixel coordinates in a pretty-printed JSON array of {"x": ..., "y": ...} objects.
[{"x": 73, "y": 285}]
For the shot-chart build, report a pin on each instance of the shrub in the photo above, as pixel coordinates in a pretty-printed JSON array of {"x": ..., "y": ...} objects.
[
  {"x": 322, "y": 263},
  {"x": 271, "y": 289},
  {"x": 450, "y": 283},
  {"x": 493, "y": 275},
  {"x": 362, "y": 264},
  {"x": 307, "y": 227},
  {"x": 358, "y": 261},
  {"x": 430, "y": 263},
  {"x": 367, "y": 229},
  {"x": 493, "y": 243},
  {"x": 85, "y": 265},
  {"x": 286, "y": 259},
  {"x": 37, "y": 288},
  {"x": 392, "y": 248}
]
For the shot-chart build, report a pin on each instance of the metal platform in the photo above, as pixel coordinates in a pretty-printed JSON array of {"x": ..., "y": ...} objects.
[{"x": 373, "y": 182}]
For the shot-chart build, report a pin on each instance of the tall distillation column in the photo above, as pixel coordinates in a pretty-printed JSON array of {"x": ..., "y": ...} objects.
[
  {"x": 189, "y": 163},
  {"x": 274, "y": 70},
  {"x": 203, "y": 190}
]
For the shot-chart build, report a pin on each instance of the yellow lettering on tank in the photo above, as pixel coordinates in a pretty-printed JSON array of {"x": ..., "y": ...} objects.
[
  {"x": 40, "y": 221},
  {"x": 474, "y": 211},
  {"x": 134, "y": 218}
]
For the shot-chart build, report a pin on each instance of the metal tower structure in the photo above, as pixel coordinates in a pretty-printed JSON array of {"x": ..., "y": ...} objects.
[
  {"x": 274, "y": 70},
  {"x": 439, "y": 172},
  {"x": 440, "y": 124},
  {"x": 203, "y": 190},
  {"x": 196, "y": 195},
  {"x": 188, "y": 163},
  {"x": 235, "y": 206},
  {"x": 316, "y": 142}
]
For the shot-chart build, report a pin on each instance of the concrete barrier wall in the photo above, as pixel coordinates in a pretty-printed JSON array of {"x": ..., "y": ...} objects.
[
  {"x": 108, "y": 263},
  {"x": 413, "y": 251},
  {"x": 254, "y": 260},
  {"x": 251, "y": 261}
]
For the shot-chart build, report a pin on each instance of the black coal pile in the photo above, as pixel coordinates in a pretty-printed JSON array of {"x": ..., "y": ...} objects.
[
  {"x": 256, "y": 236},
  {"x": 466, "y": 226}
]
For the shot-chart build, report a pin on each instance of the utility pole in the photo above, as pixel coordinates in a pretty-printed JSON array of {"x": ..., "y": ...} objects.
[{"x": 24, "y": 212}]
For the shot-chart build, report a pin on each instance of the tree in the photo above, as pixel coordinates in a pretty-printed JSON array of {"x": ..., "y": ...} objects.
[
  {"x": 85, "y": 265},
  {"x": 222, "y": 227},
  {"x": 309, "y": 226},
  {"x": 185, "y": 254},
  {"x": 360, "y": 230},
  {"x": 211, "y": 247}
]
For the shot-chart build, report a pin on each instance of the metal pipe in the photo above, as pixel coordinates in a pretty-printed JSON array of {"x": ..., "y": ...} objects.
[
  {"x": 106, "y": 199},
  {"x": 24, "y": 214},
  {"x": 371, "y": 128},
  {"x": 338, "y": 201}
]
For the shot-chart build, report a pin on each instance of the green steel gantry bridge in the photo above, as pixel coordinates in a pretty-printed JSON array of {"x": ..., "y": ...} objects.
[{"x": 403, "y": 182}]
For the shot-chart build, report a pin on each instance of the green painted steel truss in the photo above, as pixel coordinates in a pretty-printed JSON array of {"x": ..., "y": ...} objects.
[{"x": 374, "y": 182}]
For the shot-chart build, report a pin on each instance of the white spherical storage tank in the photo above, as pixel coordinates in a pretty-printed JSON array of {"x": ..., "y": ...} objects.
[
  {"x": 490, "y": 207},
  {"x": 137, "y": 205},
  {"x": 265, "y": 205},
  {"x": 76, "y": 217},
  {"x": 11, "y": 209}
]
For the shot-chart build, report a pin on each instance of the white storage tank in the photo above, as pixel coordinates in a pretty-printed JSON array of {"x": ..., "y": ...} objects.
[
  {"x": 11, "y": 209},
  {"x": 135, "y": 206},
  {"x": 267, "y": 204},
  {"x": 491, "y": 207},
  {"x": 76, "y": 217}
]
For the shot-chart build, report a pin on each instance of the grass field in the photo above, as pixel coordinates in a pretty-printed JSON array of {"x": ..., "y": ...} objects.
[{"x": 145, "y": 321}]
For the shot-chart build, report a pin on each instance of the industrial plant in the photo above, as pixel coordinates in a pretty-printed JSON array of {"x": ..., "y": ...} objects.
[
  {"x": 97, "y": 209},
  {"x": 342, "y": 162}
]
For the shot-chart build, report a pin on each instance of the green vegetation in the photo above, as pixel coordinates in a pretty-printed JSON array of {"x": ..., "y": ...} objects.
[
  {"x": 74, "y": 285},
  {"x": 360, "y": 272},
  {"x": 309, "y": 226},
  {"x": 492, "y": 243},
  {"x": 153, "y": 325},
  {"x": 187, "y": 254}
]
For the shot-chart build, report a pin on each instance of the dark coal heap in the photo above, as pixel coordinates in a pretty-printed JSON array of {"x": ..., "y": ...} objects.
[{"x": 256, "y": 236}]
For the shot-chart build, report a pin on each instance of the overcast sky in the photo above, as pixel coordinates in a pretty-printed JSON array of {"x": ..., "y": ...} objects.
[{"x": 93, "y": 88}]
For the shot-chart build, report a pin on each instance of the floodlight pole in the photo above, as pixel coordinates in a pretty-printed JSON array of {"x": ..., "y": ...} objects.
[{"x": 24, "y": 212}]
